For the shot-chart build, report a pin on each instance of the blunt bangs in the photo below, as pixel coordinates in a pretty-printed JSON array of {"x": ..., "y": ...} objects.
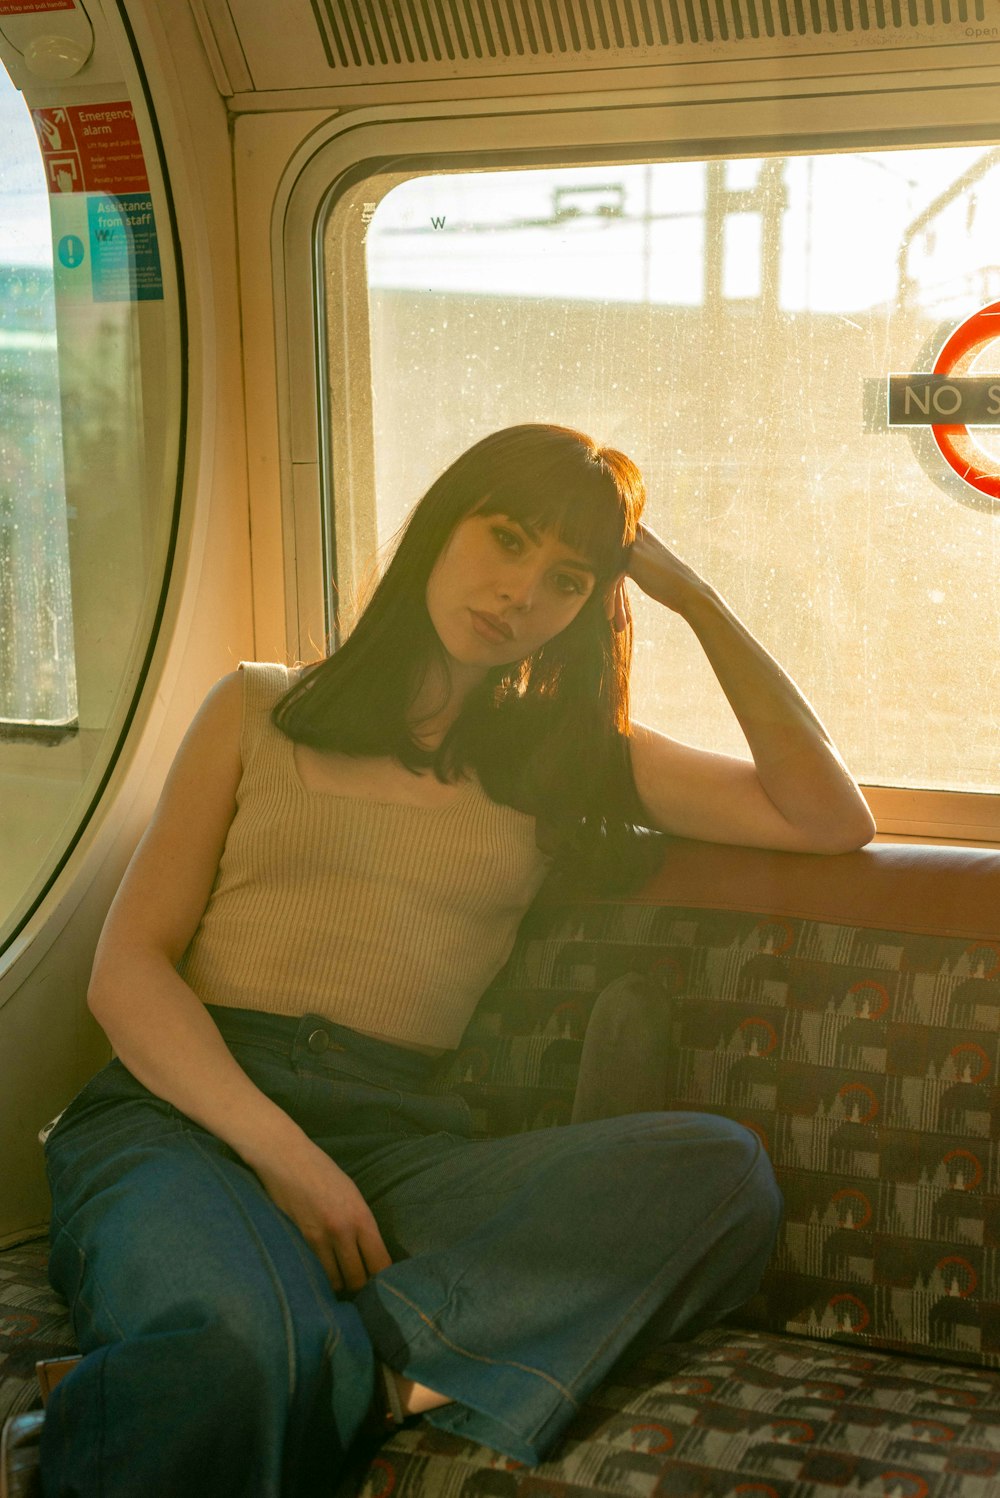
[{"x": 591, "y": 500}]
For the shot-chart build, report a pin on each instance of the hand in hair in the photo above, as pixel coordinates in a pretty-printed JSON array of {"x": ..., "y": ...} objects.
[
  {"x": 661, "y": 574},
  {"x": 797, "y": 794},
  {"x": 614, "y": 605}
]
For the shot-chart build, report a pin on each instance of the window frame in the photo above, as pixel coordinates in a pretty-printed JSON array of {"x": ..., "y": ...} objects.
[
  {"x": 322, "y": 522},
  {"x": 93, "y": 757}
]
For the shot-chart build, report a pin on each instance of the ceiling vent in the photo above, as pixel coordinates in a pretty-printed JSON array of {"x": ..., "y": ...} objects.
[
  {"x": 346, "y": 43},
  {"x": 376, "y": 33}
]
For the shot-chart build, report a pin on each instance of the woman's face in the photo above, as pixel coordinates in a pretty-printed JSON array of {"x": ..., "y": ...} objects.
[{"x": 498, "y": 591}]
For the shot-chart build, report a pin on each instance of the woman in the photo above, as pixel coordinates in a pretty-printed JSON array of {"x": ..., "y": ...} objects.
[{"x": 276, "y": 1237}]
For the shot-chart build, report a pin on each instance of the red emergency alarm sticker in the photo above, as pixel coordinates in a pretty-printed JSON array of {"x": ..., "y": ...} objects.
[
  {"x": 33, "y": 7},
  {"x": 91, "y": 148}
]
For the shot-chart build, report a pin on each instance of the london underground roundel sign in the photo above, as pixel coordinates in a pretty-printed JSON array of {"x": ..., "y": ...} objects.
[
  {"x": 968, "y": 348},
  {"x": 959, "y": 400}
]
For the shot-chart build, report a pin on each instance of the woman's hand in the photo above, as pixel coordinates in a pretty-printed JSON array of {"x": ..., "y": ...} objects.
[
  {"x": 329, "y": 1211},
  {"x": 662, "y": 575}
]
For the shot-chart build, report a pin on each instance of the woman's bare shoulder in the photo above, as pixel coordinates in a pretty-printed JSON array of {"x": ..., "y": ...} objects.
[
  {"x": 224, "y": 699},
  {"x": 213, "y": 737},
  {"x": 169, "y": 880}
]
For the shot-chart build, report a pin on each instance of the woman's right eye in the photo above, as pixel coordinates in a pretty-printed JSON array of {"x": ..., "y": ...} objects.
[{"x": 508, "y": 539}]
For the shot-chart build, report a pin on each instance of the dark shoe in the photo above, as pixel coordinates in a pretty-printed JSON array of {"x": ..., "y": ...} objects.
[{"x": 20, "y": 1475}]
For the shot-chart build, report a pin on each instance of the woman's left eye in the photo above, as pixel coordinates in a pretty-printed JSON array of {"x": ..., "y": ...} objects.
[{"x": 567, "y": 583}]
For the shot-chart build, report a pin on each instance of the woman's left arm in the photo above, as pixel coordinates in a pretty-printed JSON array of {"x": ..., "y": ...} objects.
[{"x": 797, "y": 793}]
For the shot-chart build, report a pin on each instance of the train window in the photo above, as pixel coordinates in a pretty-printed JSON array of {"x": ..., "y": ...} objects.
[
  {"x": 37, "y": 674},
  {"x": 90, "y": 397},
  {"x": 732, "y": 325}
]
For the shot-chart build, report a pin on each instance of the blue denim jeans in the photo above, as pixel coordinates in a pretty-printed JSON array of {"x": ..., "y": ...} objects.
[{"x": 218, "y": 1359}]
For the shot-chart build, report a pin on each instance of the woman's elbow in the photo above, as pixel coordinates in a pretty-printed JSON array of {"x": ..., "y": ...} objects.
[
  {"x": 97, "y": 994},
  {"x": 847, "y": 834},
  {"x": 113, "y": 974}
]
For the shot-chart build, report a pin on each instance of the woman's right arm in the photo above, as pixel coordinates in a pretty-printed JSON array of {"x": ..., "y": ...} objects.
[{"x": 161, "y": 1030}]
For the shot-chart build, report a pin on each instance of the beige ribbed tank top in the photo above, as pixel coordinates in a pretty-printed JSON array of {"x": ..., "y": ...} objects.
[{"x": 386, "y": 917}]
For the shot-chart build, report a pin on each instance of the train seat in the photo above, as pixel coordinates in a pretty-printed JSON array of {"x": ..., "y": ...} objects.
[{"x": 847, "y": 1010}]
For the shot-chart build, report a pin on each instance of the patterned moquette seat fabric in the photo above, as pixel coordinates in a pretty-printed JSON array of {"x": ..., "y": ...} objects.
[
  {"x": 731, "y": 1414},
  {"x": 34, "y": 1323},
  {"x": 735, "y": 1414},
  {"x": 865, "y": 1061}
]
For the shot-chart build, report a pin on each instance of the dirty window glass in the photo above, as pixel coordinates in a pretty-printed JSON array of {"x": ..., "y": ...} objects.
[
  {"x": 37, "y": 669},
  {"x": 90, "y": 420},
  {"x": 733, "y": 326}
]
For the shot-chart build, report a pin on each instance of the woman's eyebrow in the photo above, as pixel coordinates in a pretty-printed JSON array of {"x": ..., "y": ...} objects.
[{"x": 534, "y": 535}]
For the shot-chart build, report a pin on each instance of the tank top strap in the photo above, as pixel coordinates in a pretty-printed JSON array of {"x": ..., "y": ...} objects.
[{"x": 264, "y": 749}]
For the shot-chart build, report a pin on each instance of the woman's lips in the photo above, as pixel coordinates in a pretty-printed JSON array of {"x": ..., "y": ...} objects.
[{"x": 490, "y": 627}]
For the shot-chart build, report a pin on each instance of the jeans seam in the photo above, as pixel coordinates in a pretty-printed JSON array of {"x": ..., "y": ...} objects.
[
  {"x": 479, "y": 1357},
  {"x": 286, "y": 1316},
  {"x": 258, "y": 1045},
  {"x": 648, "y": 1290},
  {"x": 80, "y": 1299}
]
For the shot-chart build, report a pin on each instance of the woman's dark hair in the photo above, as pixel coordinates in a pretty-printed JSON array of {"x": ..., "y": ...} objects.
[{"x": 524, "y": 728}]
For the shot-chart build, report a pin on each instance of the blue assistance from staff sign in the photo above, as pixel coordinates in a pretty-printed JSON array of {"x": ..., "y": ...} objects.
[{"x": 124, "y": 253}]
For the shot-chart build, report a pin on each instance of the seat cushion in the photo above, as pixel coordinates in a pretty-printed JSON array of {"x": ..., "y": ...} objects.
[
  {"x": 731, "y": 1414},
  {"x": 737, "y": 1414}
]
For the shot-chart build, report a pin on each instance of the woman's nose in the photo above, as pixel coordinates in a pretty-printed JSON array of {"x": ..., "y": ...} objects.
[{"x": 517, "y": 587}]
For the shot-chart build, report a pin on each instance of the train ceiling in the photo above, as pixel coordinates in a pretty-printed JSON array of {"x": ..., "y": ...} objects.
[{"x": 309, "y": 44}]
